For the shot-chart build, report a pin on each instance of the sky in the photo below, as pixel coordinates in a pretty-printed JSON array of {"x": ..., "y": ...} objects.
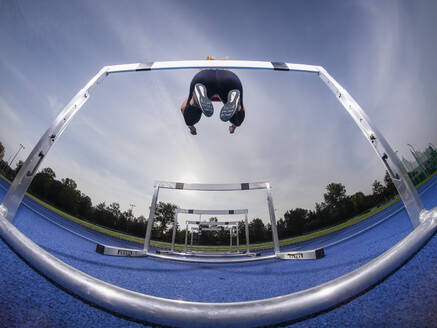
[{"x": 296, "y": 134}]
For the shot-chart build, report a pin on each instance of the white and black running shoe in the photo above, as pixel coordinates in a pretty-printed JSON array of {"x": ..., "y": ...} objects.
[
  {"x": 201, "y": 97},
  {"x": 231, "y": 106}
]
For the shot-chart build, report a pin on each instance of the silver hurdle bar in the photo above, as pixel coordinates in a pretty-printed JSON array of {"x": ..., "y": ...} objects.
[{"x": 212, "y": 212}]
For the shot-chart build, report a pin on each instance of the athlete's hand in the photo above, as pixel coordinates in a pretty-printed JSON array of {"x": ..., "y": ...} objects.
[
  {"x": 193, "y": 130},
  {"x": 232, "y": 129}
]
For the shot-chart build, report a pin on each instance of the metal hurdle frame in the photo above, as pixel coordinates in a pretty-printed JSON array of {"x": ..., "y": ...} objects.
[
  {"x": 212, "y": 187},
  {"x": 265, "y": 312},
  {"x": 212, "y": 212},
  {"x": 311, "y": 254},
  {"x": 218, "y": 226},
  {"x": 198, "y": 229}
]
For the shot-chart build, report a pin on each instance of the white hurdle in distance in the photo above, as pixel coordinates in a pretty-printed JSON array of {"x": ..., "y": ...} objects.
[
  {"x": 201, "y": 226},
  {"x": 211, "y": 212}
]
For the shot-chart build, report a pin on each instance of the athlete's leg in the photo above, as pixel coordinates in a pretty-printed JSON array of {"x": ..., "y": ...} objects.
[
  {"x": 202, "y": 88},
  {"x": 204, "y": 83},
  {"x": 191, "y": 115},
  {"x": 237, "y": 119},
  {"x": 231, "y": 92}
]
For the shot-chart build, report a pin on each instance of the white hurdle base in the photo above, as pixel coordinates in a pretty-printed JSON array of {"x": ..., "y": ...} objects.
[
  {"x": 208, "y": 254},
  {"x": 313, "y": 254},
  {"x": 118, "y": 251}
]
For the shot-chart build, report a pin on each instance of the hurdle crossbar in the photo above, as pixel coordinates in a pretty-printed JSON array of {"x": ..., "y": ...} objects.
[
  {"x": 210, "y": 223},
  {"x": 212, "y": 187},
  {"x": 211, "y": 212},
  {"x": 213, "y": 223}
]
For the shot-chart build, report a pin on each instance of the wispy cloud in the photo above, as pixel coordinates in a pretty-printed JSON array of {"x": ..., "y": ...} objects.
[
  {"x": 7, "y": 112},
  {"x": 55, "y": 105}
]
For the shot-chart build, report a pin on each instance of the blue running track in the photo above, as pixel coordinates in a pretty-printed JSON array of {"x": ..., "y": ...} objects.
[{"x": 407, "y": 298}]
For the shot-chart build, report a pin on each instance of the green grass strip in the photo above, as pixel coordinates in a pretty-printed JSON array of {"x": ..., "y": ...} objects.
[{"x": 82, "y": 222}]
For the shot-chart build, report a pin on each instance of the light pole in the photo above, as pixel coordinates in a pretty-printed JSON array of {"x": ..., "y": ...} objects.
[
  {"x": 19, "y": 149},
  {"x": 413, "y": 152}
]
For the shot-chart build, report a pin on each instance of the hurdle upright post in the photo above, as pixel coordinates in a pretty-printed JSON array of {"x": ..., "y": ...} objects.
[
  {"x": 186, "y": 237},
  {"x": 246, "y": 223},
  {"x": 272, "y": 218},
  {"x": 230, "y": 239},
  {"x": 238, "y": 239},
  {"x": 151, "y": 218},
  {"x": 175, "y": 227}
]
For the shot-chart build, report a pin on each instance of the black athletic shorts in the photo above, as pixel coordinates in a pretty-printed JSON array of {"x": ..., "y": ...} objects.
[{"x": 218, "y": 83}]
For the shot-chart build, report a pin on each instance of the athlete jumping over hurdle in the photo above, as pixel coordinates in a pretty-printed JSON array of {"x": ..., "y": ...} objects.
[{"x": 214, "y": 85}]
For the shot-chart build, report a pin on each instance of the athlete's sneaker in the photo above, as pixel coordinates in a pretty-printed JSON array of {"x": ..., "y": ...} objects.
[
  {"x": 231, "y": 106},
  {"x": 201, "y": 98}
]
